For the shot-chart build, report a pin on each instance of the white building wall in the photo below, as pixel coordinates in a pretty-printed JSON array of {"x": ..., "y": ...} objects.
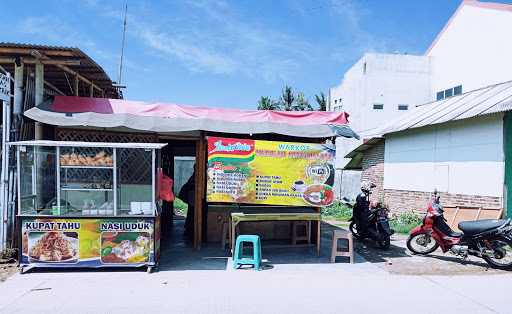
[
  {"x": 463, "y": 157},
  {"x": 388, "y": 79},
  {"x": 474, "y": 50}
]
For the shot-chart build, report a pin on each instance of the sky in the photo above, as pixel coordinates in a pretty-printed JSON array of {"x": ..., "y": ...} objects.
[{"x": 227, "y": 53}]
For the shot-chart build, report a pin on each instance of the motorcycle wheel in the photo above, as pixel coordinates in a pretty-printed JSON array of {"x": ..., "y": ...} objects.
[
  {"x": 422, "y": 243},
  {"x": 502, "y": 258},
  {"x": 353, "y": 228}
]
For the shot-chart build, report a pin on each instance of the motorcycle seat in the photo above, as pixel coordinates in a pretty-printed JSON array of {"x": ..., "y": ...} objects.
[
  {"x": 454, "y": 234},
  {"x": 475, "y": 227}
]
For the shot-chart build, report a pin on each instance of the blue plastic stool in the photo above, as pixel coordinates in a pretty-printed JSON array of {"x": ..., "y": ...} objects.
[{"x": 256, "y": 251}]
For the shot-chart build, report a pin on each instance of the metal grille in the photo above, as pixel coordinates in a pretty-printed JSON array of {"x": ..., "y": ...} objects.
[
  {"x": 102, "y": 136},
  {"x": 134, "y": 164}
]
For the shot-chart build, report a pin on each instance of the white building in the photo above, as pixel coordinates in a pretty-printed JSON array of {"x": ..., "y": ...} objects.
[
  {"x": 460, "y": 146},
  {"x": 378, "y": 88},
  {"x": 472, "y": 51},
  {"x": 381, "y": 86}
]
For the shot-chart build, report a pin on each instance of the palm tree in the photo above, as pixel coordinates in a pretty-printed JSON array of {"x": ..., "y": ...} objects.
[
  {"x": 301, "y": 103},
  {"x": 266, "y": 103},
  {"x": 321, "y": 101},
  {"x": 287, "y": 98}
]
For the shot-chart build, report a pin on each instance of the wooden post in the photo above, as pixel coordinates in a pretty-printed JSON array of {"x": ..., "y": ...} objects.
[
  {"x": 18, "y": 89},
  {"x": 318, "y": 237},
  {"x": 76, "y": 85},
  {"x": 91, "y": 90},
  {"x": 199, "y": 191},
  {"x": 18, "y": 98},
  {"x": 39, "y": 97}
]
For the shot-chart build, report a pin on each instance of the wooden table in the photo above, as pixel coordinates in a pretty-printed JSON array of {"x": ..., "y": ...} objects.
[{"x": 237, "y": 217}]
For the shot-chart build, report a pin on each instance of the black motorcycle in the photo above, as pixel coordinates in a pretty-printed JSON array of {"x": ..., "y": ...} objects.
[{"x": 376, "y": 225}]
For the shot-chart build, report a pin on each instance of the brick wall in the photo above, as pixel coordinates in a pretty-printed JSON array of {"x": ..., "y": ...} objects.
[
  {"x": 373, "y": 170},
  {"x": 401, "y": 200}
]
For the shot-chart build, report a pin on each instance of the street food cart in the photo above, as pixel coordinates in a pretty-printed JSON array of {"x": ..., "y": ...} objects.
[{"x": 87, "y": 204}]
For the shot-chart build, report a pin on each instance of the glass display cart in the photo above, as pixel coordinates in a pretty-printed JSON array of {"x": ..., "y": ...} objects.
[{"x": 86, "y": 204}]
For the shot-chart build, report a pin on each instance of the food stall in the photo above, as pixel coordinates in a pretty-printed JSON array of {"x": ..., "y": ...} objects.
[
  {"x": 187, "y": 130},
  {"x": 88, "y": 204}
]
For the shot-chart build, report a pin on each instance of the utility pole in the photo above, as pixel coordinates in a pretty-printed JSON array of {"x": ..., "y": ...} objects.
[{"x": 122, "y": 46}]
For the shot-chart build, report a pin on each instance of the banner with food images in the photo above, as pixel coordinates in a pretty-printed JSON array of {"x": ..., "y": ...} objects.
[
  {"x": 87, "y": 242},
  {"x": 268, "y": 172}
]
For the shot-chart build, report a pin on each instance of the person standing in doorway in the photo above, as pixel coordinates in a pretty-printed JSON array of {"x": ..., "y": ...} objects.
[{"x": 187, "y": 195}]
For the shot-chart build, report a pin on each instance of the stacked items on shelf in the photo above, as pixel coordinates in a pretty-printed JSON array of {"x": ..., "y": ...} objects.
[
  {"x": 89, "y": 208},
  {"x": 102, "y": 185},
  {"x": 99, "y": 159}
]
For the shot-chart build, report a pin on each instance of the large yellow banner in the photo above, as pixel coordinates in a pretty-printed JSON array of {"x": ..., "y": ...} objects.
[{"x": 268, "y": 172}]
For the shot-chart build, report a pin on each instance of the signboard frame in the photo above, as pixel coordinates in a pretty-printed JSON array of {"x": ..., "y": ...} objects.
[
  {"x": 5, "y": 87},
  {"x": 247, "y": 171}
]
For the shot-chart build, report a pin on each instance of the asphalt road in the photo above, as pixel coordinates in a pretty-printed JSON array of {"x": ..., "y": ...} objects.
[{"x": 329, "y": 288}]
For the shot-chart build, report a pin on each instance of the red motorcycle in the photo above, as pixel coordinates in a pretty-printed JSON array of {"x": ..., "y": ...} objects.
[{"x": 490, "y": 239}]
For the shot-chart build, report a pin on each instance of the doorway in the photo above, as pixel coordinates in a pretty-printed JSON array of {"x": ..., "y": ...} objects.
[{"x": 177, "y": 218}]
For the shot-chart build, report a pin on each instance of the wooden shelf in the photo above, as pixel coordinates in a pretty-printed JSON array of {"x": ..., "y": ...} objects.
[{"x": 87, "y": 167}]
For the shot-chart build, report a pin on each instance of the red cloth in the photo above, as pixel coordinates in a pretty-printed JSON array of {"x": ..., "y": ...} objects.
[
  {"x": 165, "y": 185},
  {"x": 73, "y": 104}
]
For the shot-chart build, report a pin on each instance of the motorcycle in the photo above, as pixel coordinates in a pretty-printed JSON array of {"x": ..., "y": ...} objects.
[
  {"x": 489, "y": 239},
  {"x": 377, "y": 229}
]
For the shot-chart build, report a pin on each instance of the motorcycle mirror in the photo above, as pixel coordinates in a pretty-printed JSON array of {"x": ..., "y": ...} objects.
[{"x": 372, "y": 185}]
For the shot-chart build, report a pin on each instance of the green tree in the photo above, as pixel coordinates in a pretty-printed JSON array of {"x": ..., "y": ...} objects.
[
  {"x": 301, "y": 103},
  {"x": 287, "y": 98},
  {"x": 321, "y": 101},
  {"x": 266, "y": 103}
]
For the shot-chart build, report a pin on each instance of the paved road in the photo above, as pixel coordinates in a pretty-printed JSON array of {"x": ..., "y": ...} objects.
[{"x": 339, "y": 288}]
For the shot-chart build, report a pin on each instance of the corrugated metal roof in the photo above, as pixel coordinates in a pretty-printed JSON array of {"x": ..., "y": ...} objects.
[
  {"x": 88, "y": 68},
  {"x": 36, "y": 46},
  {"x": 488, "y": 100},
  {"x": 367, "y": 144}
]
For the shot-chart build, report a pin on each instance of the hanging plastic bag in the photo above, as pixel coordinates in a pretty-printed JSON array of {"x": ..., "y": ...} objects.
[{"x": 165, "y": 187}]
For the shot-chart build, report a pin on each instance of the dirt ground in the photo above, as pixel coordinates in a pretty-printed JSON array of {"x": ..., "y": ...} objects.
[
  {"x": 7, "y": 268},
  {"x": 398, "y": 260}
]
